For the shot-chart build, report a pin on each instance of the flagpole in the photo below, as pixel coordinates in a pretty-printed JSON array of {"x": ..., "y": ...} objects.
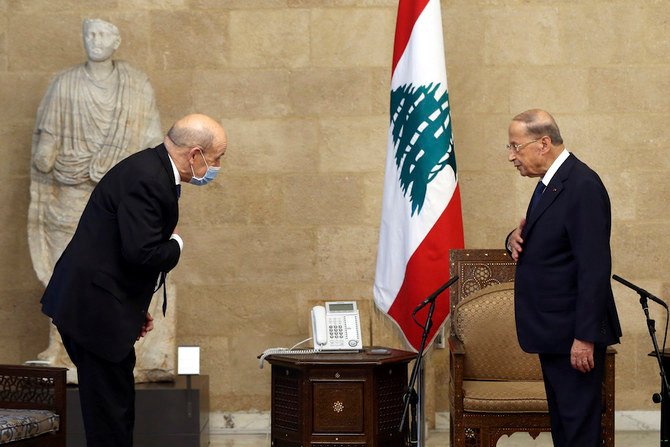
[
  {"x": 411, "y": 396},
  {"x": 421, "y": 385}
]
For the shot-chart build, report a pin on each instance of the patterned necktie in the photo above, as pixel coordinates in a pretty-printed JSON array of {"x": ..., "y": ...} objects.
[{"x": 537, "y": 195}]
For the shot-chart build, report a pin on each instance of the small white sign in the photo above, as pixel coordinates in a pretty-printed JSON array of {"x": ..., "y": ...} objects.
[{"x": 188, "y": 360}]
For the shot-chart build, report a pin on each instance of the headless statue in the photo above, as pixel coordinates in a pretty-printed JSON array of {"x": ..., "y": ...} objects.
[{"x": 92, "y": 116}]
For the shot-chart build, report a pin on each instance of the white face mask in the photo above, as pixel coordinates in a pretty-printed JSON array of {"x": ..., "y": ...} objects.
[{"x": 210, "y": 174}]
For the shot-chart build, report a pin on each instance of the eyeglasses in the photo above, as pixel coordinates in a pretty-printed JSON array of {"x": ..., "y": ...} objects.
[{"x": 518, "y": 147}]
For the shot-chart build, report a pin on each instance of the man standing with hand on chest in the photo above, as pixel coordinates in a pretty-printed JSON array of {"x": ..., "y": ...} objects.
[
  {"x": 565, "y": 309},
  {"x": 126, "y": 241}
]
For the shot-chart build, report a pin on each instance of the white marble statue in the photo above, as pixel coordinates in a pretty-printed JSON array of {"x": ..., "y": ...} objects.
[{"x": 92, "y": 116}]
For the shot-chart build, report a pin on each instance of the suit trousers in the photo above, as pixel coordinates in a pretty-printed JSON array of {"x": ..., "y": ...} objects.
[
  {"x": 574, "y": 399},
  {"x": 106, "y": 394}
]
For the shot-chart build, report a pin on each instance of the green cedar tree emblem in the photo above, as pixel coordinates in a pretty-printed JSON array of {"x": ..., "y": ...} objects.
[{"x": 422, "y": 137}]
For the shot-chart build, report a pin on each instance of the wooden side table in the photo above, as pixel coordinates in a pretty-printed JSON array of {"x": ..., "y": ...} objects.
[{"x": 333, "y": 399}]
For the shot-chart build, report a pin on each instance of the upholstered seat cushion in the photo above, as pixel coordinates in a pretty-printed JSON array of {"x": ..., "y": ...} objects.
[
  {"x": 504, "y": 396},
  {"x": 22, "y": 424}
]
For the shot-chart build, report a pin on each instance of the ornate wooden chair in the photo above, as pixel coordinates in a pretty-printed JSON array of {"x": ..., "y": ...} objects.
[
  {"x": 495, "y": 388},
  {"x": 32, "y": 406}
]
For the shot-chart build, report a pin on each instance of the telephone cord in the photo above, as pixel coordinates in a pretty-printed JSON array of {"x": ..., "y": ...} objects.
[{"x": 286, "y": 351}]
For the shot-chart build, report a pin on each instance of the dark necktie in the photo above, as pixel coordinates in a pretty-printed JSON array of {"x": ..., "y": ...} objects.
[
  {"x": 162, "y": 277},
  {"x": 178, "y": 191},
  {"x": 537, "y": 195}
]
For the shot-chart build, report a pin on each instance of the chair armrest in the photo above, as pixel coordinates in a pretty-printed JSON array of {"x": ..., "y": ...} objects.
[
  {"x": 457, "y": 357},
  {"x": 456, "y": 346}
]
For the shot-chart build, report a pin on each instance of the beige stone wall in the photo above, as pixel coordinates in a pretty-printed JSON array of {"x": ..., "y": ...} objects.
[{"x": 302, "y": 86}]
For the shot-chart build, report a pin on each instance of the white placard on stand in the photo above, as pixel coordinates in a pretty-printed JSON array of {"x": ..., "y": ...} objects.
[{"x": 188, "y": 360}]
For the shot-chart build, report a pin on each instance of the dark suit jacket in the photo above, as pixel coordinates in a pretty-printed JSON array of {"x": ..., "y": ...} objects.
[
  {"x": 102, "y": 285},
  {"x": 562, "y": 284}
]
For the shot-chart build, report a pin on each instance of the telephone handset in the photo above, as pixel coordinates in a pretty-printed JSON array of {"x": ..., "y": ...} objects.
[{"x": 337, "y": 326}]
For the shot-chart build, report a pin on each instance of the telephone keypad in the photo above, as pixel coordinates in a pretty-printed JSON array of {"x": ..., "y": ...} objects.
[{"x": 336, "y": 331}]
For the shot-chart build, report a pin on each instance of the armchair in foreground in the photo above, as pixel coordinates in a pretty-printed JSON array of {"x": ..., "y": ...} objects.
[
  {"x": 495, "y": 388},
  {"x": 32, "y": 406}
]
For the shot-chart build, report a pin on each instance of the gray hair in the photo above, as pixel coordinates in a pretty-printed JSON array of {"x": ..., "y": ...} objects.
[
  {"x": 540, "y": 123},
  {"x": 190, "y": 136}
]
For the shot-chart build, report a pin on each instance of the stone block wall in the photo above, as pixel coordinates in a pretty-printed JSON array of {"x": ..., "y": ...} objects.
[{"x": 302, "y": 87}]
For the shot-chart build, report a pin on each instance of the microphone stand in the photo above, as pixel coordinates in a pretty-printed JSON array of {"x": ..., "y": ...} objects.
[
  {"x": 664, "y": 396},
  {"x": 651, "y": 326},
  {"x": 410, "y": 396}
]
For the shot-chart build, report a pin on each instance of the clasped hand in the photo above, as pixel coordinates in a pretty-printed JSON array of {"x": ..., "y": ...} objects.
[{"x": 147, "y": 326}]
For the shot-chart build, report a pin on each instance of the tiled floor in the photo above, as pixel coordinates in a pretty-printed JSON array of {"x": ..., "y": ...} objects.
[{"x": 441, "y": 439}]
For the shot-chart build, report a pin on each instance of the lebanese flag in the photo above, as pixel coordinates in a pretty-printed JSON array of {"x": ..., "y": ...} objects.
[{"x": 421, "y": 206}]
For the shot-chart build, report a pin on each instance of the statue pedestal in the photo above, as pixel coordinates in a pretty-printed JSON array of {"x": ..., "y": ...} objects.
[{"x": 166, "y": 414}]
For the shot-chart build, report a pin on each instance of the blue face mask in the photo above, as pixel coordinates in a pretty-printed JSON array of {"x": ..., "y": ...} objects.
[{"x": 210, "y": 174}]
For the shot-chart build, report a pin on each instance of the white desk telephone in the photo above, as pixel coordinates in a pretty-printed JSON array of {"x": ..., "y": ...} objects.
[{"x": 337, "y": 326}]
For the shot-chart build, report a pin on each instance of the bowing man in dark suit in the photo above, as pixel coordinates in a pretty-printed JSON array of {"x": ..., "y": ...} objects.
[
  {"x": 564, "y": 305},
  {"x": 125, "y": 243}
]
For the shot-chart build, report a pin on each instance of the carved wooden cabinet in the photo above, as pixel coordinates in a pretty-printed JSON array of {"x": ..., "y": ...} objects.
[{"x": 338, "y": 399}]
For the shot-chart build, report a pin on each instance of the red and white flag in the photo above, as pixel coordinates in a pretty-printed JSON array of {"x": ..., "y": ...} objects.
[{"x": 421, "y": 208}]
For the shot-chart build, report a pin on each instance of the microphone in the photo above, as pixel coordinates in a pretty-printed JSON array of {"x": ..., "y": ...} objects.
[
  {"x": 639, "y": 290},
  {"x": 435, "y": 294}
]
